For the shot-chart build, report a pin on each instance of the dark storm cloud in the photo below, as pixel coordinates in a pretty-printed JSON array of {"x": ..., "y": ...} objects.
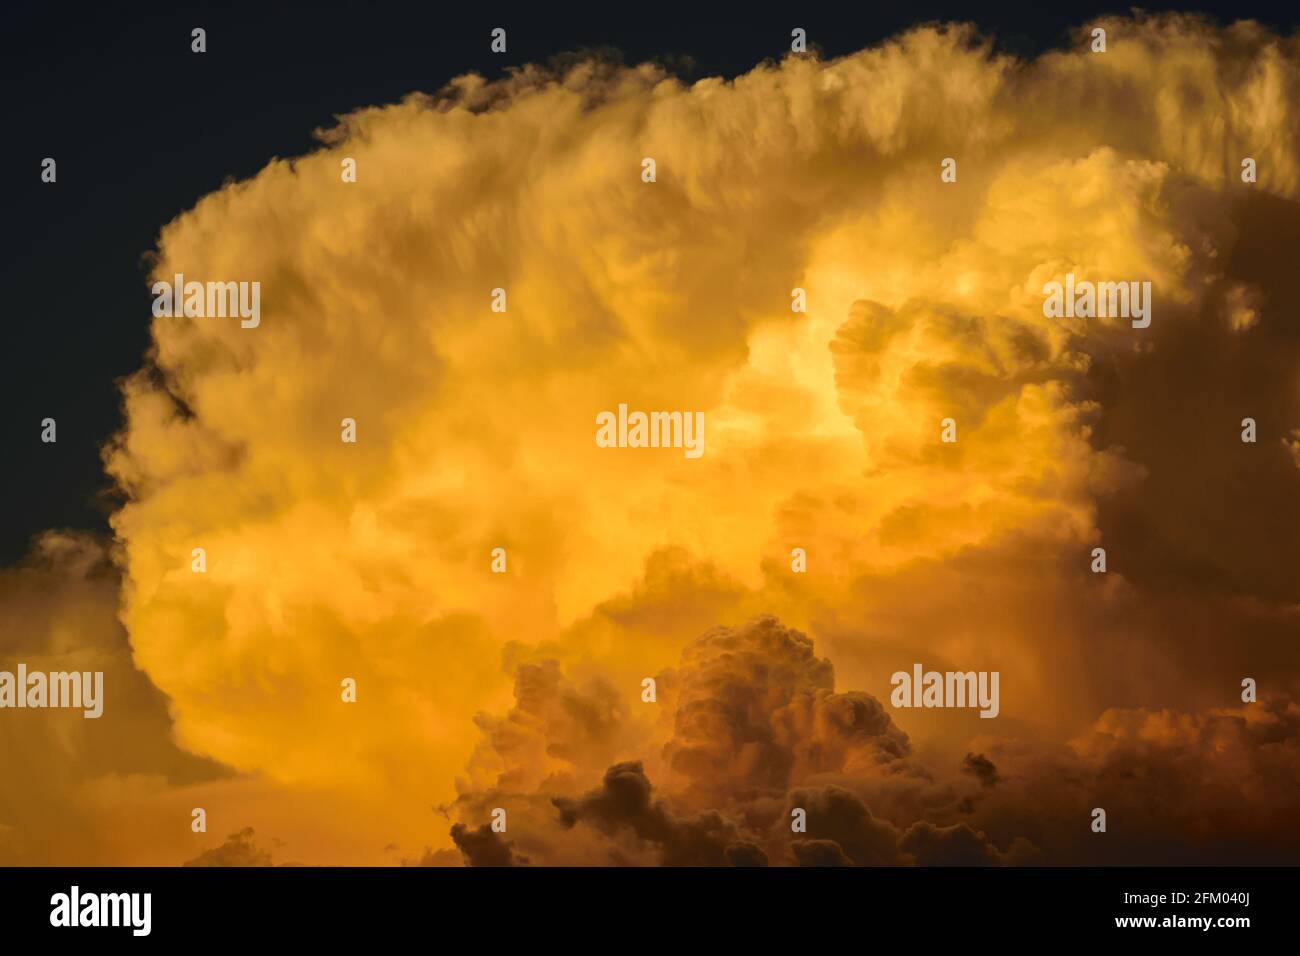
[
  {"x": 624, "y": 800},
  {"x": 240, "y": 849},
  {"x": 485, "y": 847},
  {"x": 981, "y": 768}
]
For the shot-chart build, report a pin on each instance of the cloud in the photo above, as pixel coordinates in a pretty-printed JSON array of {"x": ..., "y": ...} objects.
[
  {"x": 956, "y": 845},
  {"x": 752, "y": 716},
  {"x": 553, "y": 729},
  {"x": 624, "y": 800},
  {"x": 70, "y": 783},
  {"x": 1188, "y": 787},
  {"x": 443, "y": 857},
  {"x": 818, "y": 853},
  {"x": 240, "y": 849},
  {"x": 755, "y": 709},
  {"x": 484, "y": 847},
  {"x": 839, "y": 817},
  {"x": 981, "y": 768},
  {"x": 475, "y": 430}
]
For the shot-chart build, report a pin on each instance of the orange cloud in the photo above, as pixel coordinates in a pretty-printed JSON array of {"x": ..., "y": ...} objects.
[{"x": 371, "y": 560}]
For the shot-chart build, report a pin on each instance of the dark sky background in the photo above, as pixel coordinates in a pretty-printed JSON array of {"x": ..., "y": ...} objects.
[{"x": 141, "y": 128}]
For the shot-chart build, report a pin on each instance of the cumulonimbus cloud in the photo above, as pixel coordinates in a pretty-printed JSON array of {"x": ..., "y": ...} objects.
[{"x": 371, "y": 561}]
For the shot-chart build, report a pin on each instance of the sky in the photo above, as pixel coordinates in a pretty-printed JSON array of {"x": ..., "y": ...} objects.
[{"x": 523, "y": 689}]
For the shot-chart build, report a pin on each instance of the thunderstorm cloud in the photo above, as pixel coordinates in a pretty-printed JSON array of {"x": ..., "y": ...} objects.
[{"x": 524, "y": 690}]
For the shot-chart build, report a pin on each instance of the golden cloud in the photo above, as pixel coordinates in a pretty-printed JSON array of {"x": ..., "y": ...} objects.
[{"x": 328, "y": 560}]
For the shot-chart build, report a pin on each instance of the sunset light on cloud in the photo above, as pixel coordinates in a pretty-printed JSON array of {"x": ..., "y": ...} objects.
[{"x": 518, "y": 680}]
